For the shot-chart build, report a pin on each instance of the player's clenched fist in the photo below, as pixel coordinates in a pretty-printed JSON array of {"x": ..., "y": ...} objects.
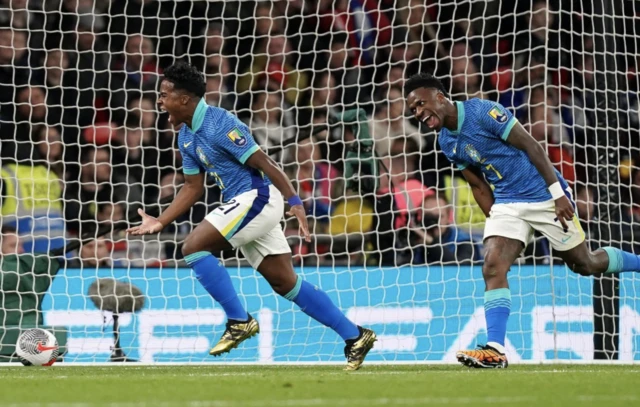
[
  {"x": 299, "y": 213},
  {"x": 148, "y": 226}
]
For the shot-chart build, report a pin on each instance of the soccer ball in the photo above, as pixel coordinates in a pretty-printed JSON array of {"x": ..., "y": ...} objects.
[{"x": 37, "y": 347}]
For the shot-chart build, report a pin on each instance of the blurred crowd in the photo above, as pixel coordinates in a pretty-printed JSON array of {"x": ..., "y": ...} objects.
[{"x": 83, "y": 145}]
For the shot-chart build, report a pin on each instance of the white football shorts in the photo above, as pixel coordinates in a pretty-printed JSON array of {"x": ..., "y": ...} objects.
[
  {"x": 519, "y": 220},
  {"x": 251, "y": 222}
]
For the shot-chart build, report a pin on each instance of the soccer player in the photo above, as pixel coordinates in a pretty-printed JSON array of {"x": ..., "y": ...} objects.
[
  {"x": 214, "y": 142},
  {"x": 518, "y": 190}
]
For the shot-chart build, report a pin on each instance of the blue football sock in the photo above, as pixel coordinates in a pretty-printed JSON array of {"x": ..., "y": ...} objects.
[
  {"x": 621, "y": 261},
  {"x": 497, "y": 307},
  {"x": 317, "y": 304},
  {"x": 215, "y": 279}
]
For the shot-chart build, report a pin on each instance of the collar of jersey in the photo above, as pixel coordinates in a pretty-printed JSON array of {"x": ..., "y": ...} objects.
[
  {"x": 460, "y": 117},
  {"x": 198, "y": 115}
]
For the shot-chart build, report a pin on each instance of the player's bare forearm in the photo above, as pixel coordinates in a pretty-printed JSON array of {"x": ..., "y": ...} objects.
[
  {"x": 540, "y": 160},
  {"x": 484, "y": 198},
  {"x": 187, "y": 196},
  {"x": 481, "y": 190},
  {"x": 260, "y": 161},
  {"x": 522, "y": 140}
]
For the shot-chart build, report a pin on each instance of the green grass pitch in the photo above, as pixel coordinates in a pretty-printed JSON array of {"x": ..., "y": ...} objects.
[{"x": 280, "y": 386}]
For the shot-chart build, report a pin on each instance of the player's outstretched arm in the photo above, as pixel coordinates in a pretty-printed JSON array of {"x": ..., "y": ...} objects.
[
  {"x": 481, "y": 190},
  {"x": 522, "y": 140},
  {"x": 186, "y": 198},
  {"x": 260, "y": 161}
]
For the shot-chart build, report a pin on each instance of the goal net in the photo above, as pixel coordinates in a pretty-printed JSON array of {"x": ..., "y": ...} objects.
[{"x": 397, "y": 235}]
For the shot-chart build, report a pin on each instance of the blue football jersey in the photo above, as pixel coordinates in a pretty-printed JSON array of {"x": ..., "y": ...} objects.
[
  {"x": 481, "y": 141},
  {"x": 219, "y": 144}
]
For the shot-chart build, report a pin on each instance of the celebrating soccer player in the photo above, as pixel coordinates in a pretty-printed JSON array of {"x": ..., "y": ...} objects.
[
  {"x": 216, "y": 143},
  {"x": 518, "y": 190}
]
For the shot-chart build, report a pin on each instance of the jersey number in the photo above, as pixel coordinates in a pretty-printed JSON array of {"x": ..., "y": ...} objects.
[
  {"x": 490, "y": 167},
  {"x": 229, "y": 206}
]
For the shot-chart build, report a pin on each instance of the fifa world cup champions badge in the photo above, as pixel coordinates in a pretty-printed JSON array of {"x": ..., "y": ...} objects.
[
  {"x": 498, "y": 114},
  {"x": 237, "y": 138}
]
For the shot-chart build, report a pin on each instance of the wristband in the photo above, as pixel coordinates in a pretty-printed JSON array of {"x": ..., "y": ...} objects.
[
  {"x": 294, "y": 200},
  {"x": 556, "y": 191}
]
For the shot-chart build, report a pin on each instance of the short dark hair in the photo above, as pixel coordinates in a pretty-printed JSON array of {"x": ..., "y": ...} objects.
[
  {"x": 186, "y": 77},
  {"x": 6, "y": 229},
  {"x": 424, "y": 80}
]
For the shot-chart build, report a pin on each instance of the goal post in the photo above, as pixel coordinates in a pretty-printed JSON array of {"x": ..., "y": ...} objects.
[
  {"x": 397, "y": 234},
  {"x": 606, "y": 301}
]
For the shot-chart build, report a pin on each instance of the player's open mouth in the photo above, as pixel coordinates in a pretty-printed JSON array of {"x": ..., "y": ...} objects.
[
  {"x": 431, "y": 120},
  {"x": 169, "y": 118}
]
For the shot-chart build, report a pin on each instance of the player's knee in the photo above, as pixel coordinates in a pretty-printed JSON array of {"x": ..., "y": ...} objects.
[
  {"x": 581, "y": 266},
  {"x": 283, "y": 284},
  {"x": 494, "y": 267},
  {"x": 281, "y": 287},
  {"x": 189, "y": 247}
]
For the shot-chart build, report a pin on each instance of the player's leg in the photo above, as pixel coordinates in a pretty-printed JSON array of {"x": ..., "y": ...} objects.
[
  {"x": 505, "y": 234},
  {"x": 271, "y": 256},
  {"x": 278, "y": 271},
  {"x": 266, "y": 248},
  {"x": 214, "y": 235},
  {"x": 500, "y": 254},
  {"x": 583, "y": 261},
  {"x": 604, "y": 260},
  {"x": 209, "y": 270},
  {"x": 570, "y": 245}
]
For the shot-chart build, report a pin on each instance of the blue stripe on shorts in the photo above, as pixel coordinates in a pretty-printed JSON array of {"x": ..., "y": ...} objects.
[{"x": 256, "y": 207}]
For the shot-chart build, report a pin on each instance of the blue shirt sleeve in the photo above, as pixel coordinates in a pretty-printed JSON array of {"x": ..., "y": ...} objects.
[
  {"x": 461, "y": 165},
  {"x": 189, "y": 165},
  {"x": 239, "y": 143},
  {"x": 496, "y": 119}
]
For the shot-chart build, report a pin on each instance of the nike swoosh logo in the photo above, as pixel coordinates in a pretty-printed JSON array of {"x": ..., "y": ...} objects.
[
  {"x": 187, "y": 144},
  {"x": 566, "y": 239},
  {"x": 42, "y": 348}
]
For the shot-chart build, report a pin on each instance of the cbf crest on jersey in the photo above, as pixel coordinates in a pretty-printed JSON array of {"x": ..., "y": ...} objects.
[
  {"x": 498, "y": 114},
  {"x": 203, "y": 158},
  {"x": 473, "y": 153},
  {"x": 237, "y": 137}
]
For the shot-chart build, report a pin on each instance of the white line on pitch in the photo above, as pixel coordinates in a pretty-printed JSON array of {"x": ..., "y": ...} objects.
[
  {"x": 299, "y": 402},
  {"x": 462, "y": 371},
  {"x": 316, "y": 363},
  {"x": 333, "y": 402}
]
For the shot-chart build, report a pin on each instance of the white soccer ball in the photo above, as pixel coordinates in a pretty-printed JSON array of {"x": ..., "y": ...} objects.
[{"x": 37, "y": 347}]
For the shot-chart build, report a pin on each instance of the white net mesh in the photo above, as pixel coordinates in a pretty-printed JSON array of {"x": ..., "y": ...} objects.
[{"x": 398, "y": 246}]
